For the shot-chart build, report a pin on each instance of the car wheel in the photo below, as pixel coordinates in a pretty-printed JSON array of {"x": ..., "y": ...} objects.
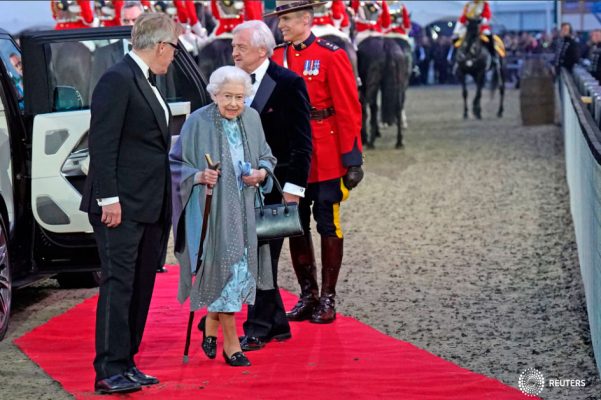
[
  {"x": 5, "y": 281},
  {"x": 77, "y": 280}
]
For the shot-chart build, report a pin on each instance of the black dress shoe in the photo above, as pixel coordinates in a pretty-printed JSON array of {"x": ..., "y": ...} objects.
[
  {"x": 116, "y": 384},
  {"x": 162, "y": 270},
  {"x": 209, "y": 343},
  {"x": 238, "y": 359},
  {"x": 251, "y": 343},
  {"x": 137, "y": 376}
]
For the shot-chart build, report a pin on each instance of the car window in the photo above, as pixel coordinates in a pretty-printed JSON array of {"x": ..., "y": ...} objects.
[
  {"x": 76, "y": 66},
  {"x": 11, "y": 58}
]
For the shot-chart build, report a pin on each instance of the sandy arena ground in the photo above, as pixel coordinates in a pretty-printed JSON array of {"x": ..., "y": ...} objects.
[{"x": 462, "y": 244}]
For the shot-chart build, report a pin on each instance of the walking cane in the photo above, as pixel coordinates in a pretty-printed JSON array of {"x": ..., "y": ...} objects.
[{"x": 203, "y": 234}]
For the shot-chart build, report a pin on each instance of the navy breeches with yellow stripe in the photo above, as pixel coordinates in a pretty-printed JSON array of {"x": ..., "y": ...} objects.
[{"x": 323, "y": 199}]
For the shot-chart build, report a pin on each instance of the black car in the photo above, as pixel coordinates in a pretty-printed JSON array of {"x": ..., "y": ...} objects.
[{"x": 46, "y": 85}]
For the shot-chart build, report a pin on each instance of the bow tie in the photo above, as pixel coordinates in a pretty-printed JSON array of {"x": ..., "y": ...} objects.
[
  {"x": 152, "y": 78},
  {"x": 253, "y": 78}
]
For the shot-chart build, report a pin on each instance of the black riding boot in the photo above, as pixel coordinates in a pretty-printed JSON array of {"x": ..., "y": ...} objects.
[
  {"x": 331, "y": 260},
  {"x": 491, "y": 49},
  {"x": 303, "y": 261}
]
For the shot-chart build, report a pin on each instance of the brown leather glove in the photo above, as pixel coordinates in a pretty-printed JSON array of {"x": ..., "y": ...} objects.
[{"x": 353, "y": 176}]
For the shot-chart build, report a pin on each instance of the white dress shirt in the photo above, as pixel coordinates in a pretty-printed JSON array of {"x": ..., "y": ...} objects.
[
  {"x": 145, "y": 69},
  {"x": 260, "y": 72}
]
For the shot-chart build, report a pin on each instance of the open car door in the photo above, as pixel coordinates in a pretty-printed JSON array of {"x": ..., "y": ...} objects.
[{"x": 61, "y": 69}]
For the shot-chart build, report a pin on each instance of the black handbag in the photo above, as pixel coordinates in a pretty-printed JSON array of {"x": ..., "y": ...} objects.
[{"x": 277, "y": 221}]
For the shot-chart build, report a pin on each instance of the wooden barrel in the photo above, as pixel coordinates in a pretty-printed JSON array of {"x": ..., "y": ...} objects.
[{"x": 537, "y": 93}]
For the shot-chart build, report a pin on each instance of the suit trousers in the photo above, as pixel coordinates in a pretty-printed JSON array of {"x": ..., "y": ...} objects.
[
  {"x": 130, "y": 255},
  {"x": 267, "y": 317}
]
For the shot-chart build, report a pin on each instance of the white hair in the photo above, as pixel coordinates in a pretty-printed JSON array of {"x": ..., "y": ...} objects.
[
  {"x": 229, "y": 74},
  {"x": 261, "y": 35}
]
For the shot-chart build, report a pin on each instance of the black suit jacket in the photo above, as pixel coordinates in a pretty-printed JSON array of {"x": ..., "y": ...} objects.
[
  {"x": 283, "y": 104},
  {"x": 129, "y": 144}
]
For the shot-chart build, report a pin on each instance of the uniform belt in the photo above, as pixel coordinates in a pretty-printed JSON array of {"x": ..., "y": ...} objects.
[{"x": 321, "y": 114}]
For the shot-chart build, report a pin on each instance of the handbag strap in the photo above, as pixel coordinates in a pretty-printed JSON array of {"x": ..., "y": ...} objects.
[{"x": 279, "y": 189}]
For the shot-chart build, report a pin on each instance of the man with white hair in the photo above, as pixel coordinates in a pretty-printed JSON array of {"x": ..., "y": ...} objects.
[
  {"x": 282, "y": 101},
  {"x": 127, "y": 196}
]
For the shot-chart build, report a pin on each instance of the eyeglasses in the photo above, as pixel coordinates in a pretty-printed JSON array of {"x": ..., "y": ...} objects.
[{"x": 175, "y": 49}]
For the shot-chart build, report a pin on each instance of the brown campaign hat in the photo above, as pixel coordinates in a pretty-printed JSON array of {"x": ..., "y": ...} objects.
[{"x": 285, "y": 7}]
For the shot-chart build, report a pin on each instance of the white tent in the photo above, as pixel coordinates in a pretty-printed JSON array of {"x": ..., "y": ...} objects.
[{"x": 18, "y": 15}]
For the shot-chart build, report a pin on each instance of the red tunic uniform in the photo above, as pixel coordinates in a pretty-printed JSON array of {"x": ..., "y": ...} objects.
[
  {"x": 400, "y": 22},
  {"x": 333, "y": 13},
  {"x": 374, "y": 16},
  {"x": 186, "y": 12},
  {"x": 72, "y": 14},
  {"x": 473, "y": 10},
  {"x": 109, "y": 12},
  {"x": 332, "y": 89},
  {"x": 231, "y": 16}
]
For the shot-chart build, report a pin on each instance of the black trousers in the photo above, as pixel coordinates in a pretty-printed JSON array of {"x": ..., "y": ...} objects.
[
  {"x": 267, "y": 317},
  {"x": 130, "y": 255}
]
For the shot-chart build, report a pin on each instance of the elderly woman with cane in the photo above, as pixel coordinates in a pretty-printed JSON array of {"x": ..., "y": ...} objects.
[{"x": 231, "y": 265}]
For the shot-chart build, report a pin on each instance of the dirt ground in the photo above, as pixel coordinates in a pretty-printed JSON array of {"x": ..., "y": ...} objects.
[{"x": 462, "y": 244}]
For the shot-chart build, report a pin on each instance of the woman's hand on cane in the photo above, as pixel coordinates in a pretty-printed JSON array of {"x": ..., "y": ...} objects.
[{"x": 207, "y": 177}]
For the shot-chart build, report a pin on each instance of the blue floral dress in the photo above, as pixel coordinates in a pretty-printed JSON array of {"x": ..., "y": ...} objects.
[{"x": 241, "y": 285}]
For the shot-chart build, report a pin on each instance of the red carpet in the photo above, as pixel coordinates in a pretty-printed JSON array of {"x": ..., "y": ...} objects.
[{"x": 344, "y": 360}]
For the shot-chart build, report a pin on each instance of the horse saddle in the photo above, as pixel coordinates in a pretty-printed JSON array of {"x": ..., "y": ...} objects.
[{"x": 499, "y": 45}]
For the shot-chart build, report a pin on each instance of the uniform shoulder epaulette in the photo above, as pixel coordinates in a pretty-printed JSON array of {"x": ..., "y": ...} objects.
[
  {"x": 280, "y": 46},
  {"x": 328, "y": 45}
]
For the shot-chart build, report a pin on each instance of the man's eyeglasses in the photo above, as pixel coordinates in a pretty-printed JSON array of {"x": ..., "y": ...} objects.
[{"x": 175, "y": 49}]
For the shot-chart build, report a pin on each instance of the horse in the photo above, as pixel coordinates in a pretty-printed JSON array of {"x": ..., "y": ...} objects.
[
  {"x": 472, "y": 58},
  {"x": 382, "y": 66}
]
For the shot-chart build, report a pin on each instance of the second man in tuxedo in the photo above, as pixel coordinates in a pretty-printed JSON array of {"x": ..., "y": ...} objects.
[{"x": 282, "y": 100}]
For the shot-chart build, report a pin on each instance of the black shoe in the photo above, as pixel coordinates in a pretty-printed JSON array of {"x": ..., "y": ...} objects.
[
  {"x": 251, "y": 343},
  {"x": 209, "y": 343},
  {"x": 116, "y": 384},
  {"x": 237, "y": 359},
  {"x": 137, "y": 376},
  {"x": 162, "y": 270}
]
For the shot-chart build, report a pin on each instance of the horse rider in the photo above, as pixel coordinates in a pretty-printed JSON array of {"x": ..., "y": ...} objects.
[
  {"x": 71, "y": 14},
  {"x": 372, "y": 18},
  {"x": 400, "y": 22},
  {"x": 194, "y": 35},
  {"x": 231, "y": 13},
  {"x": 186, "y": 13},
  {"x": 331, "y": 18},
  {"x": 476, "y": 10},
  {"x": 336, "y": 156}
]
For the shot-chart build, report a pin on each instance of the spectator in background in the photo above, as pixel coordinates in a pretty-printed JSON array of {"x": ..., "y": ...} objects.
[
  {"x": 422, "y": 59},
  {"x": 594, "y": 54},
  {"x": 567, "y": 53},
  {"x": 130, "y": 12}
]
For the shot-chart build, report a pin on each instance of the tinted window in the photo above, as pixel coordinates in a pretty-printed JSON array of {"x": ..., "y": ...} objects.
[
  {"x": 76, "y": 66},
  {"x": 11, "y": 58}
]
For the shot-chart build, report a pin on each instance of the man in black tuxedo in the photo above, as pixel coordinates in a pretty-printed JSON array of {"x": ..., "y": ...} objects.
[
  {"x": 282, "y": 100},
  {"x": 127, "y": 197}
]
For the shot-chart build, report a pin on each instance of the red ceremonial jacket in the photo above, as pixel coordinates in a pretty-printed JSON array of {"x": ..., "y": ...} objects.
[
  {"x": 401, "y": 25},
  {"x": 77, "y": 15},
  {"x": 252, "y": 10},
  {"x": 382, "y": 24},
  {"x": 474, "y": 10},
  {"x": 330, "y": 81}
]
